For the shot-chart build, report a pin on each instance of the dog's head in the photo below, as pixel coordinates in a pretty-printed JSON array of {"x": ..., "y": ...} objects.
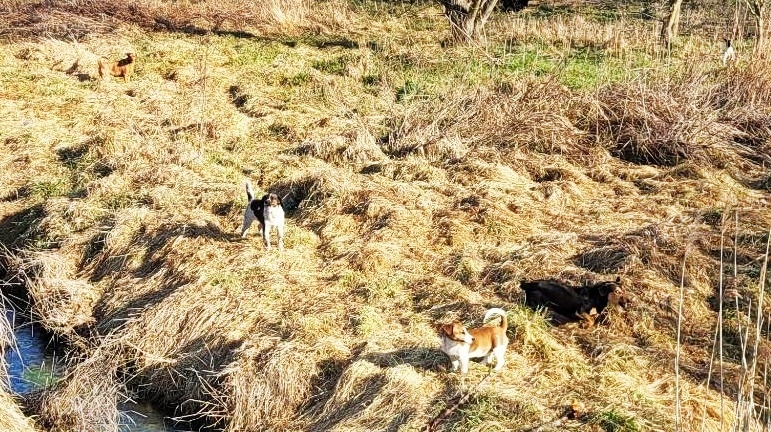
[
  {"x": 615, "y": 294},
  {"x": 606, "y": 289},
  {"x": 273, "y": 200},
  {"x": 601, "y": 294},
  {"x": 455, "y": 331},
  {"x": 130, "y": 56}
]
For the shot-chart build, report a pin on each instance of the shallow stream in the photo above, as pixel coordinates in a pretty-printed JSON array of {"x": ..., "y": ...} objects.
[{"x": 33, "y": 364}]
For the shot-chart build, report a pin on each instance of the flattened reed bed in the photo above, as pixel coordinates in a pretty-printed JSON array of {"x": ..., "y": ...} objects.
[{"x": 84, "y": 399}]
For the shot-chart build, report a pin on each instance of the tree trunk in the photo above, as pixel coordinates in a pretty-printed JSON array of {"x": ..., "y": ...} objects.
[
  {"x": 758, "y": 10},
  {"x": 672, "y": 24},
  {"x": 467, "y": 17}
]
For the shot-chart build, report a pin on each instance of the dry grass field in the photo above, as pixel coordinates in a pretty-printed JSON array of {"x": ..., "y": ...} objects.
[{"x": 422, "y": 182}]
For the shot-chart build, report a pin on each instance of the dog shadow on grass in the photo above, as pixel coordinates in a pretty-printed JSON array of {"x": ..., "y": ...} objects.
[
  {"x": 423, "y": 358},
  {"x": 208, "y": 230}
]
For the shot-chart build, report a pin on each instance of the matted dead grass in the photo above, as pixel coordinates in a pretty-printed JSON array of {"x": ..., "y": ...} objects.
[
  {"x": 411, "y": 199},
  {"x": 85, "y": 398},
  {"x": 11, "y": 417}
]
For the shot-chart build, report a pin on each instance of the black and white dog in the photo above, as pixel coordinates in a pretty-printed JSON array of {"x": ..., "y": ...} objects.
[
  {"x": 729, "y": 54},
  {"x": 268, "y": 211}
]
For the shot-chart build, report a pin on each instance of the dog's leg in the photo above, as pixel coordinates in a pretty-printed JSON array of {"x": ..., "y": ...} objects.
[
  {"x": 588, "y": 319},
  {"x": 455, "y": 363},
  {"x": 248, "y": 219},
  {"x": 464, "y": 365},
  {"x": 266, "y": 234},
  {"x": 499, "y": 352},
  {"x": 280, "y": 228}
]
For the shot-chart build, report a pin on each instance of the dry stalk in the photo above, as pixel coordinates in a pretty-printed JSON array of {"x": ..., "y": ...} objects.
[
  {"x": 434, "y": 423},
  {"x": 677, "y": 349}
]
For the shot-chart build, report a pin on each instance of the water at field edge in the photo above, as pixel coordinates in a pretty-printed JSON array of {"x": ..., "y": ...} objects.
[{"x": 33, "y": 363}]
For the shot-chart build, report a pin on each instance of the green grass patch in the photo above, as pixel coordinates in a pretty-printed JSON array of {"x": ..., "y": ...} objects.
[
  {"x": 367, "y": 321},
  {"x": 479, "y": 409},
  {"x": 252, "y": 54},
  {"x": 370, "y": 80},
  {"x": 529, "y": 61},
  {"x": 120, "y": 201},
  {"x": 221, "y": 158},
  {"x": 298, "y": 237},
  {"x": 296, "y": 80},
  {"x": 40, "y": 377},
  {"x": 410, "y": 89},
  {"x": 230, "y": 281},
  {"x": 351, "y": 280},
  {"x": 467, "y": 269},
  {"x": 332, "y": 66},
  {"x": 581, "y": 69},
  {"x": 613, "y": 421},
  {"x": 383, "y": 288},
  {"x": 49, "y": 188},
  {"x": 53, "y": 85},
  {"x": 584, "y": 73}
]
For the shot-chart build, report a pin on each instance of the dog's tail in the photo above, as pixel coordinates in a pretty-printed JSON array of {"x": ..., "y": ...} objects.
[
  {"x": 497, "y": 311},
  {"x": 249, "y": 191}
]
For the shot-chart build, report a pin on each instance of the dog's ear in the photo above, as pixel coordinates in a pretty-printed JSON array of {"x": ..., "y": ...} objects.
[
  {"x": 445, "y": 329},
  {"x": 439, "y": 328},
  {"x": 618, "y": 279}
]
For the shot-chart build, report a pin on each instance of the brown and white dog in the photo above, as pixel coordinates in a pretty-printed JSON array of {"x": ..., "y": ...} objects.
[
  {"x": 268, "y": 211},
  {"x": 122, "y": 68},
  {"x": 461, "y": 344}
]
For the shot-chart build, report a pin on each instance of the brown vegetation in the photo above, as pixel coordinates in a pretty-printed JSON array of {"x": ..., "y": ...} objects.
[{"x": 421, "y": 183}]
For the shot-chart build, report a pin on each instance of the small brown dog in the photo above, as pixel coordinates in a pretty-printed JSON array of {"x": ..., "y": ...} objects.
[
  {"x": 461, "y": 344},
  {"x": 122, "y": 68}
]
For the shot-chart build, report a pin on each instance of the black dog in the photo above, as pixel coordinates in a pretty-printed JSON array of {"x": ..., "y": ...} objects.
[{"x": 570, "y": 303}]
